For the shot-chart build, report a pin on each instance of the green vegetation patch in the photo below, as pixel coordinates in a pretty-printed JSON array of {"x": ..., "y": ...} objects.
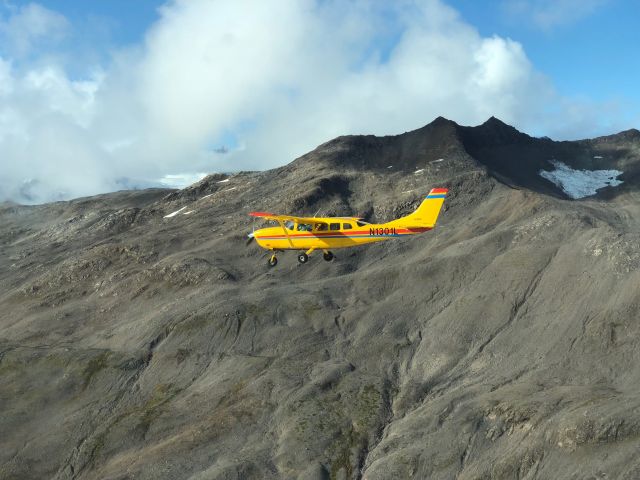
[{"x": 95, "y": 366}]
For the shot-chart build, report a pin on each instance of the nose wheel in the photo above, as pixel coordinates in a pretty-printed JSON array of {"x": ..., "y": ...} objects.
[
  {"x": 273, "y": 261},
  {"x": 303, "y": 257}
]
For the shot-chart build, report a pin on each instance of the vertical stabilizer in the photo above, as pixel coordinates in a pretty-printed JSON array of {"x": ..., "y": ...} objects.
[{"x": 427, "y": 213}]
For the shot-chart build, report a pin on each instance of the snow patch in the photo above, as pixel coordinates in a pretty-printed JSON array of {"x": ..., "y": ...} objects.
[
  {"x": 437, "y": 161},
  {"x": 173, "y": 214},
  {"x": 419, "y": 171},
  {"x": 597, "y": 156},
  {"x": 187, "y": 213},
  {"x": 580, "y": 183},
  {"x": 390, "y": 166},
  {"x": 206, "y": 196},
  {"x": 223, "y": 181}
]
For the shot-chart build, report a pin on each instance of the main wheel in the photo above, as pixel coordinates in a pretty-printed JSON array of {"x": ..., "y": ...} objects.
[
  {"x": 328, "y": 256},
  {"x": 303, "y": 257},
  {"x": 273, "y": 261}
]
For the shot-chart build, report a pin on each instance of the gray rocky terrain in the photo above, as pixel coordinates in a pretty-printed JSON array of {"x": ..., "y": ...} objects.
[{"x": 503, "y": 344}]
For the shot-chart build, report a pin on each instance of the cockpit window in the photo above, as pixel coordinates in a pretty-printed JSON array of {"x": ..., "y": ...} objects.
[
  {"x": 304, "y": 227},
  {"x": 347, "y": 226},
  {"x": 362, "y": 224},
  {"x": 321, "y": 227},
  {"x": 289, "y": 225},
  {"x": 335, "y": 226}
]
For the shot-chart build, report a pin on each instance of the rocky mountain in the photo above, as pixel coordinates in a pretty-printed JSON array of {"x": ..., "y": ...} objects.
[{"x": 141, "y": 338}]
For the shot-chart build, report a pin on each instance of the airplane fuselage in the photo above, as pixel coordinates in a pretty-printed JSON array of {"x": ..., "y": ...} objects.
[{"x": 349, "y": 234}]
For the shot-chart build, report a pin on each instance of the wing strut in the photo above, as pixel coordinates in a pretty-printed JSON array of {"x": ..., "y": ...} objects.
[{"x": 285, "y": 231}]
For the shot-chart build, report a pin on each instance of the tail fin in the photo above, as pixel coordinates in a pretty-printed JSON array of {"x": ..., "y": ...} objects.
[{"x": 427, "y": 213}]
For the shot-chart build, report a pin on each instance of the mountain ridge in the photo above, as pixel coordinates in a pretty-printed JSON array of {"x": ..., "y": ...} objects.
[
  {"x": 510, "y": 156},
  {"x": 137, "y": 340}
]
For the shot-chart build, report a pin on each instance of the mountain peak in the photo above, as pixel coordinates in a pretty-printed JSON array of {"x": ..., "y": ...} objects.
[
  {"x": 495, "y": 121},
  {"x": 492, "y": 132},
  {"x": 631, "y": 135},
  {"x": 439, "y": 123},
  {"x": 442, "y": 120},
  {"x": 495, "y": 124},
  {"x": 406, "y": 151}
]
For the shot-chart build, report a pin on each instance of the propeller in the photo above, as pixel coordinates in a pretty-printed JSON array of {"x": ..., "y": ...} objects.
[{"x": 251, "y": 236}]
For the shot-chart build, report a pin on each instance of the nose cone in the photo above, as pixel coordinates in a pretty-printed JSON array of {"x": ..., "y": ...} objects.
[
  {"x": 265, "y": 236},
  {"x": 257, "y": 234}
]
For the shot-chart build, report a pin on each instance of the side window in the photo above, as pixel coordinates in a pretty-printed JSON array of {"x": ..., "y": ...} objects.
[
  {"x": 289, "y": 225},
  {"x": 321, "y": 227},
  {"x": 304, "y": 227},
  {"x": 347, "y": 226},
  {"x": 335, "y": 226}
]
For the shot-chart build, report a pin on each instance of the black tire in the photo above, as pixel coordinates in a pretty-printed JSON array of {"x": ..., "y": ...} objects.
[
  {"x": 328, "y": 256},
  {"x": 273, "y": 261},
  {"x": 303, "y": 257}
]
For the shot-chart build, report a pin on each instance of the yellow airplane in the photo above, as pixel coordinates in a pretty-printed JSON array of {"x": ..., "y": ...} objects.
[{"x": 330, "y": 233}]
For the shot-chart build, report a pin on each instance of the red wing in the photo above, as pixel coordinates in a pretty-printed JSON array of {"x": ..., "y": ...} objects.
[{"x": 263, "y": 214}]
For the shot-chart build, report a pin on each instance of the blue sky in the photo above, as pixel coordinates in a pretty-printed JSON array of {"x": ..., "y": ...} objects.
[
  {"x": 590, "y": 53},
  {"x": 126, "y": 20},
  {"x": 95, "y": 95}
]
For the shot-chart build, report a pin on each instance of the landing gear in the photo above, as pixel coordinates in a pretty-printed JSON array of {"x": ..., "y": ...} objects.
[
  {"x": 303, "y": 257},
  {"x": 273, "y": 261},
  {"x": 328, "y": 256}
]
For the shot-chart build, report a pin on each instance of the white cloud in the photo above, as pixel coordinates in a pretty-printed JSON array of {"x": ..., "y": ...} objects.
[
  {"x": 548, "y": 14},
  {"x": 268, "y": 80},
  {"x": 28, "y": 26},
  {"x": 180, "y": 180}
]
